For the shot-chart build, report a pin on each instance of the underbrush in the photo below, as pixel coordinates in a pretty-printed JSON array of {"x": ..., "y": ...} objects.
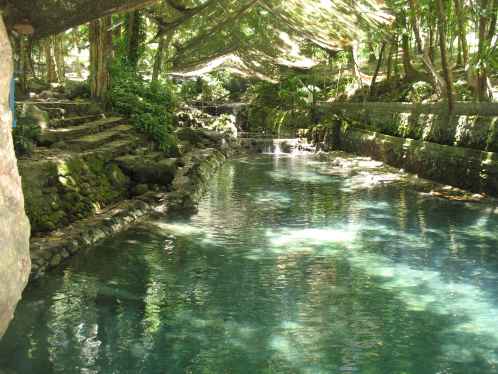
[
  {"x": 149, "y": 105},
  {"x": 26, "y": 135}
]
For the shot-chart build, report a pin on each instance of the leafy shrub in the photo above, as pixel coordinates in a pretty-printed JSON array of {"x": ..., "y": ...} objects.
[
  {"x": 149, "y": 105},
  {"x": 26, "y": 134},
  {"x": 285, "y": 106},
  {"x": 421, "y": 92},
  {"x": 225, "y": 124},
  {"x": 192, "y": 117},
  {"x": 208, "y": 89},
  {"x": 463, "y": 91},
  {"x": 74, "y": 90}
]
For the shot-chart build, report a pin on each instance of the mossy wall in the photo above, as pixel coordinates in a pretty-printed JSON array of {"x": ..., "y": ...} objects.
[
  {"x": 59, "y": 192},
  {"x": 468, "y": 127},
  {"x": 466, "y": 168}
]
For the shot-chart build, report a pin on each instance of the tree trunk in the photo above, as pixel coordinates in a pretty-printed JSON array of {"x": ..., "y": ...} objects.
[
  {"x": 133, "y": 37},
  {"x": 355, "y": 69},
  {"x": 59, "y": 57},
  {"x": 51, "y": 74},
  {"x": 377, "y": 69},
  {"x": 415, "y": 20},
  {"x": 158, "y": 59},
  {"x": 164, "y": 43},
  {"x": 425, "y": 51},
  {"x": 23, "y": 64},
  {"x": 392, "y": 49},
  {"x": 410, "y": 71},
  {"x": 441, "y": 17},
  {"x": 29, "y": 56},
  {"x": 462, "y": 31},
  {"x": 100, "y": 55},
  {"x": 432, "y": 50},
  {"x": 493, "y": 21},
  {"x": 371, "y": 51},
  {"x": 15, "y": 264},
  {"x": 482, "y": 74}
]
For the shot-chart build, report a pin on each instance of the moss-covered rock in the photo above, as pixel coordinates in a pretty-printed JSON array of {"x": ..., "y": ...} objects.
[
  {"x": 58, "y": 192},
  {"x": 148, "y": 169}
]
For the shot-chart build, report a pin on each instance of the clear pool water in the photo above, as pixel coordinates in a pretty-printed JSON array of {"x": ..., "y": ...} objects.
[{"x": 283, "y": 270}]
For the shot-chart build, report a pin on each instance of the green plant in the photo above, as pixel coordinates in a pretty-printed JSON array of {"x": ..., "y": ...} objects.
[
  {"x": 25, "y": 134},
  {"x": 148, "y": 105},
  {"x": 225, "y": 124},
  {"x": 209, "y": 88}
]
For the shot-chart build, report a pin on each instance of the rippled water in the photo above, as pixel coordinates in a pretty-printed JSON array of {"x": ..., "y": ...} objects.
[{"x": 283, "y": 270}]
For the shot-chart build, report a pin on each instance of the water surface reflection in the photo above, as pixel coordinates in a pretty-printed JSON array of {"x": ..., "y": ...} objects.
[{"x": 289, "y": 267}]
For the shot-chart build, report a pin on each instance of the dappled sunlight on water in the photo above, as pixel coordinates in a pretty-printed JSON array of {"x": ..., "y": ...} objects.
[{"x": 292, "y": 265}]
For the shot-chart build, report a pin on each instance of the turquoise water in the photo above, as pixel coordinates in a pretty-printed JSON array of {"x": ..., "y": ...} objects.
[{"x": 283, "y": 270}]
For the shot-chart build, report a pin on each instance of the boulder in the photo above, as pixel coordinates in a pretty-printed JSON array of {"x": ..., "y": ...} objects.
[
  {"x": 148, "y": 169},
  {"x": 15, "y": 264}
]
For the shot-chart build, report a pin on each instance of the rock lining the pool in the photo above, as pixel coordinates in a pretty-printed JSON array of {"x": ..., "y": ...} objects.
[{"x": 188, "y": 186}]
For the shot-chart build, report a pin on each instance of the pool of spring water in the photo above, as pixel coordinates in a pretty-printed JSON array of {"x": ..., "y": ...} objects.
[{"x": 284, "y": 269}]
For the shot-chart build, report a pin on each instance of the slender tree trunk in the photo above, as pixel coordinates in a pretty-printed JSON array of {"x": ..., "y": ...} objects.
[
  {"x": 29, "y": 54},
  {"x": 441, "y": 17},
  {"x": 23, "y": 64},
  {"x": 415, "y": 20},
  {"x": 425, "y": 51},
  {"x": 432, "y": 50},
  {"x": 371, "y": 51},
  {"x": 410, "y": 71},
  {"x": 462, "y": 31},
  {"x": 59, "y": 57},
  {"x": 100, "y": 55},
  {"x": 355, "y": 69},
  {"x": 377, "y": 69},
  {"x": 130, "y": 32},
  {"x": 482, "y": 74},
  {"x": 392, "y": 49},
  {"x": 51, "y": 74},
  {"x": 493, "y": 21},
  {"x": 133, "y": 38},
  {"x": 164, "y": 42},
  {"x": 459, "y": 54}
]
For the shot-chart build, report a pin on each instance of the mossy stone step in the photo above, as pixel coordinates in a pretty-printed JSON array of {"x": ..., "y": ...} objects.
[
  {"x": 93, "y": 141},
  {"x": 115, "y": 149},
  {"x": 74, "y": 121},
  {"x": 51, "y": 136},
  {"x": 67, "y": 108}
]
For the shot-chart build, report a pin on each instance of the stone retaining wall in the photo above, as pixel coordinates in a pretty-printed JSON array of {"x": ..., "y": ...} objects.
[
  {"x": 462, "y": 167},
  {"x": 190, "y": 182},
  {"x": 471, "y": 125}
]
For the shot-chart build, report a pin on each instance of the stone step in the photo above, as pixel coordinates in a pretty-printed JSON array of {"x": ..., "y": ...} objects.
[
  {"x": 74, "y": 121},
  {"x": 51, "y": 136},
  {"x": 93, "y": 141},
  {"x": 60, "y": 109},
  {"x": 117, "y": 148}
]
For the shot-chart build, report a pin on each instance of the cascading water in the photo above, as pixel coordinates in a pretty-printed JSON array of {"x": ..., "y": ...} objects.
[{"x": 283, "y": 147}]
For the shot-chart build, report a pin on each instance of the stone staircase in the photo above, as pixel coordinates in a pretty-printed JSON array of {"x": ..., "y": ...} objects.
[
  {"x": 80, "y": 126},
  {"x": 73, "y": 173},
  {"x": 92, "y": 175}
]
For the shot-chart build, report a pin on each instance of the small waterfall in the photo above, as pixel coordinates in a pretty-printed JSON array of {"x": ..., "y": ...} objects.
[{"x": 277, "y": 149}]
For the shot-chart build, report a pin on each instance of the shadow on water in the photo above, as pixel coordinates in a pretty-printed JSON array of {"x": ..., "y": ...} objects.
[{"x": 284, "y": 270}]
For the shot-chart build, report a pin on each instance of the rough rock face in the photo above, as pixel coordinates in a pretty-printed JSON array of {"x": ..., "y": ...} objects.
[{"x": 15, "y": 262}]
